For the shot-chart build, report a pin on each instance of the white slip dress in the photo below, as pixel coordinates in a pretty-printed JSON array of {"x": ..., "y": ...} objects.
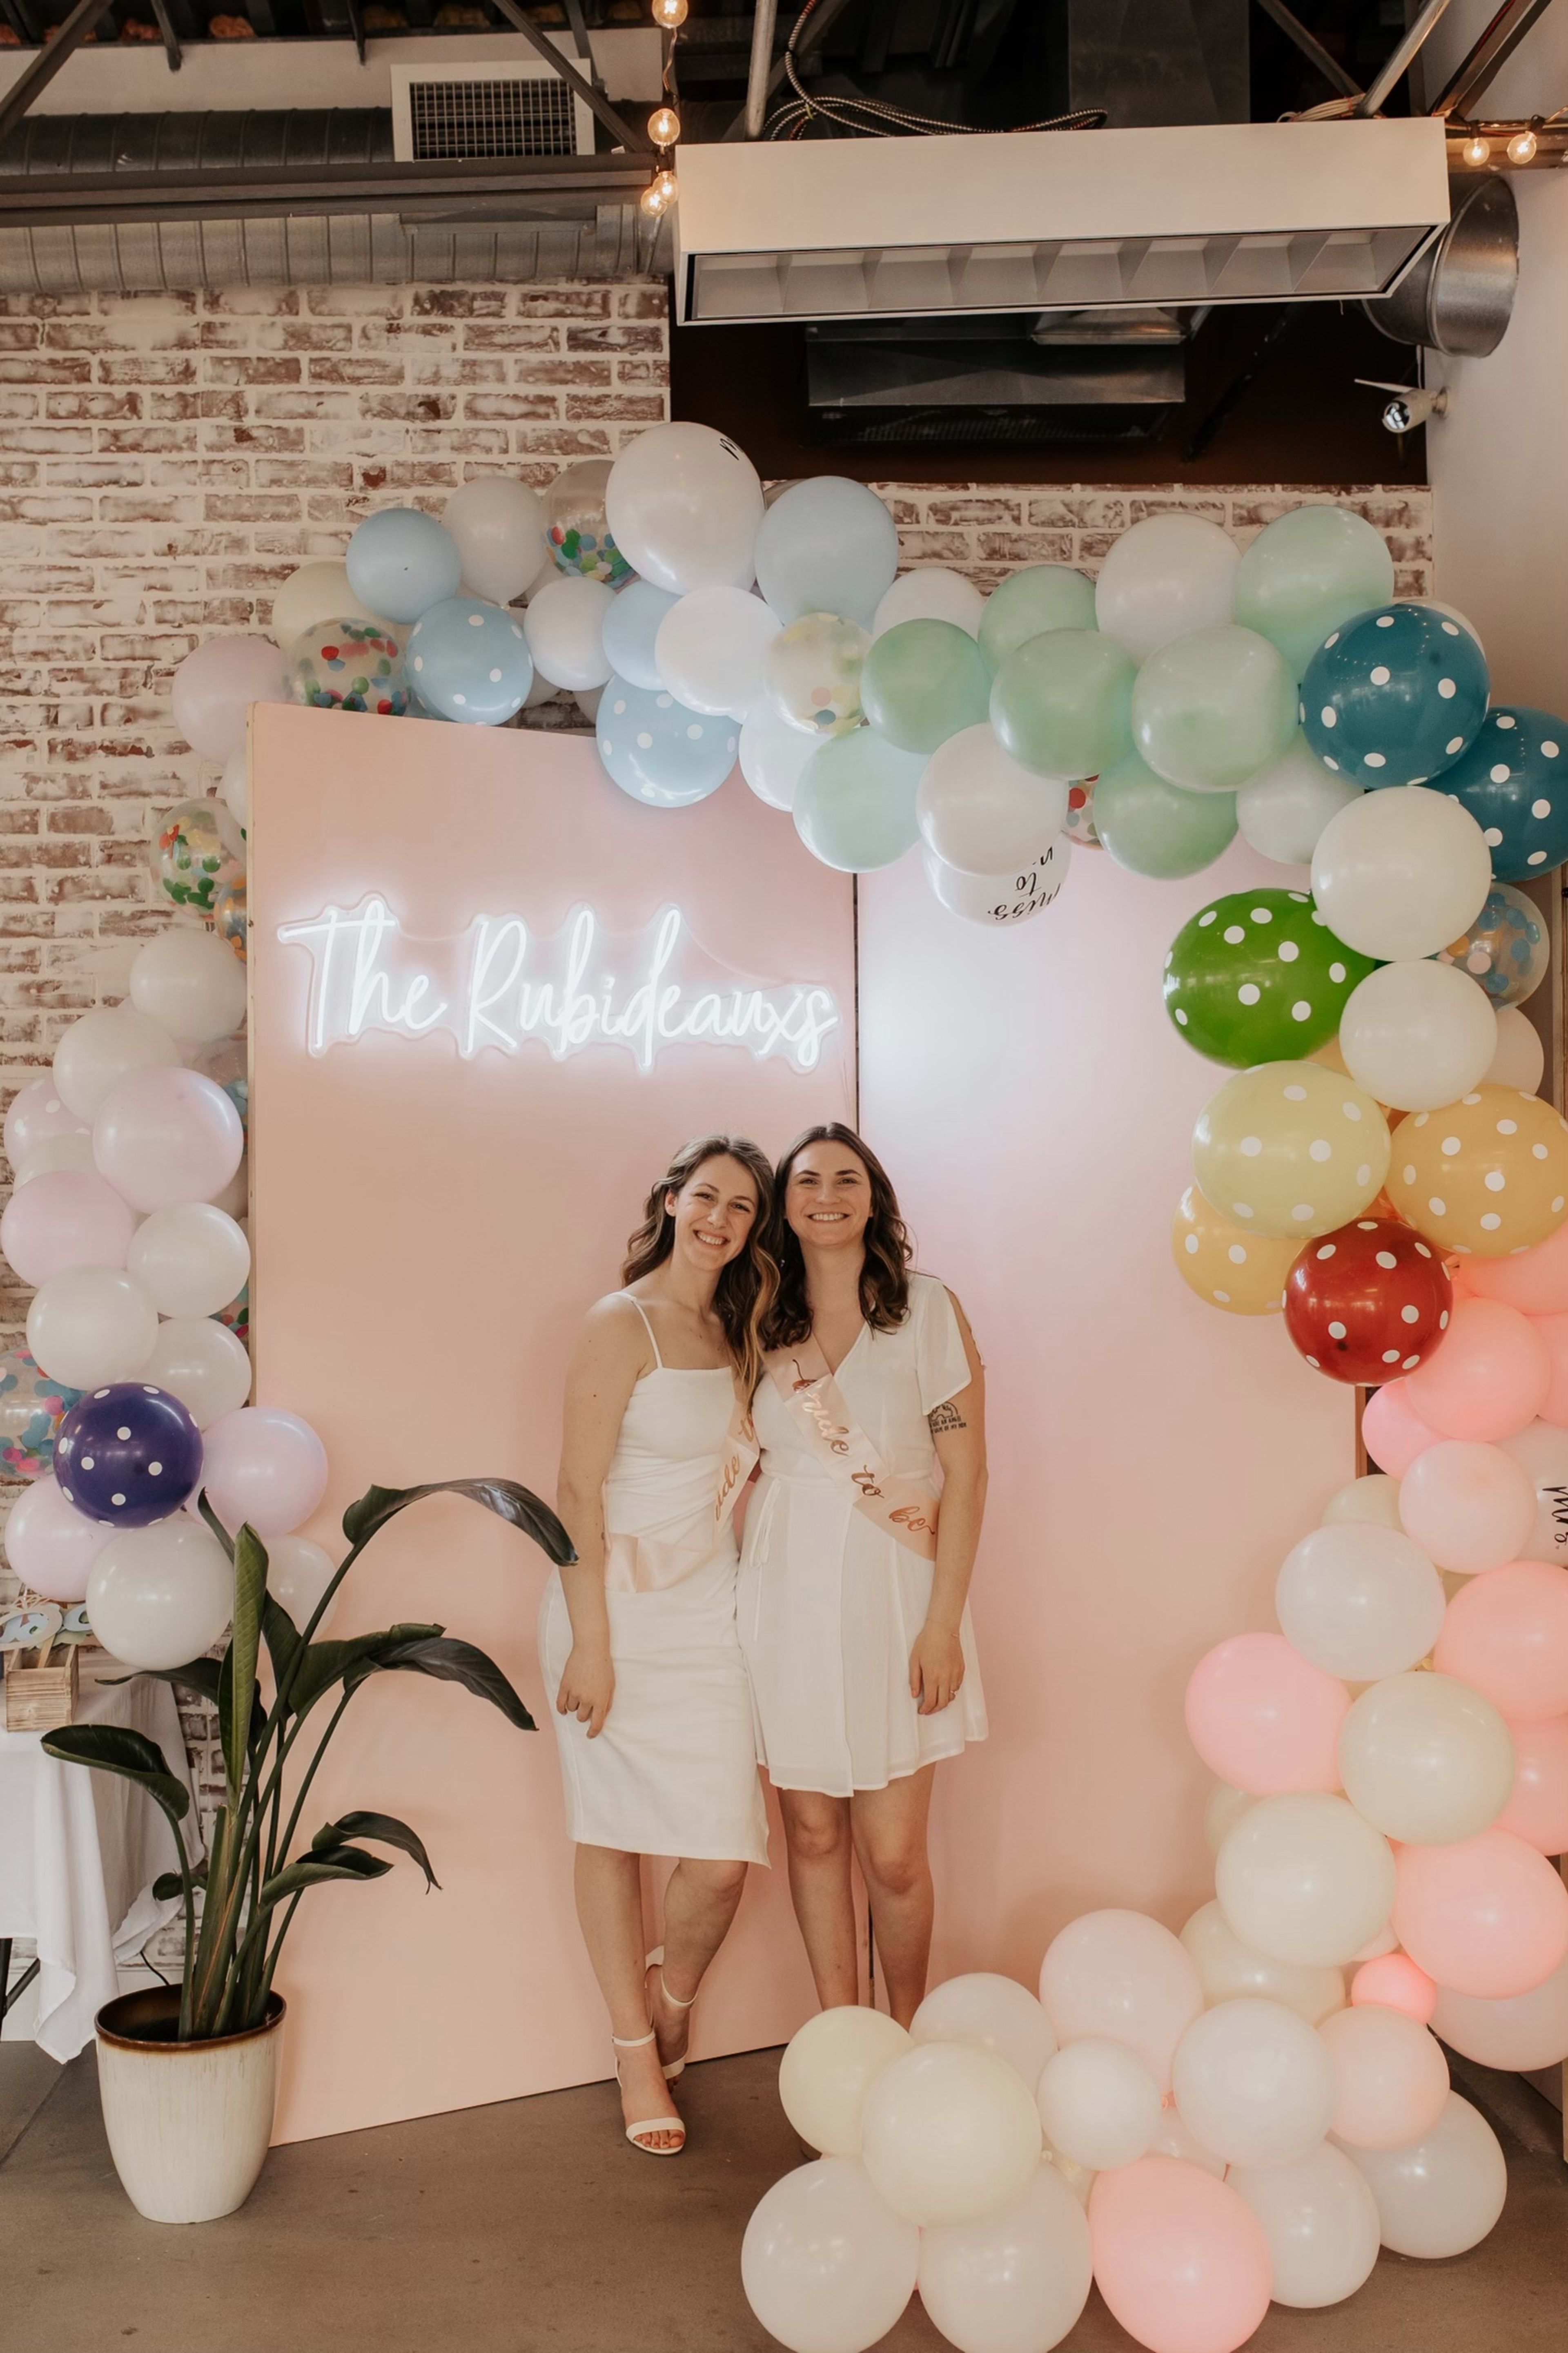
[
  {"x": 829, "y": 1604},
  {"x": 673, "y": 1770}
]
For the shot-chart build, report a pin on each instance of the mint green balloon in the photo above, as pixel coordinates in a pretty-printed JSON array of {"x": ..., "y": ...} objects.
[
  {"x": 1042, "y": 596},
  {"x": 855, "y": 803},
  {"x": 922, "y": 682},
  {"x": 1060, "y": 703},
  {"x": 1212, "y": 708},
  {"x": 1306, "y": 574},
  {"x": 1153, "y": 828}
]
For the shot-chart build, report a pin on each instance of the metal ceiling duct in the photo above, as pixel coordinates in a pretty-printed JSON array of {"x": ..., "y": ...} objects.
[{"x": 1458, "y": 299}]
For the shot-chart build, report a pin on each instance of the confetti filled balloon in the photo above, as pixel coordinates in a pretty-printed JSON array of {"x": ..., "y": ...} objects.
[
  {"x": 576, "y": 528},
  {"x": 1257, "y": 977},
  {"x": 1291, "y": 1149},
  {"x": 228, "y": 913},
  {"x": 196, "y": 850},
  {"x": 813, "y": 672},
  {"x": 1513, "y": 779},
  {"x": 1488, "y": 1174},
  {"x": 1396, "y": 696},
  {"x": 658, "y": 750},
  {"x": 32, "y": 1407},
  {"x": 1214, "y": 708},
  {"x": 1367, "y": 1299},
  {"x": 1242, "y": 1272},
  {"x": 1061, "y": 702},
  {"x": 348, "y": 666},
  {"x": 1506, "y": 947},
  {"x": 1078, "y": 824},
  {"x": 127, "y": 1453},
  {"x": 1155, "y": 828},
  {"x": 1308, "y": 572}
]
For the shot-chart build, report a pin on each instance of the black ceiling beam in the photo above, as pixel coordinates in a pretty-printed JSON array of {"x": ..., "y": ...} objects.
[
  {"x": 45, "y": 65},
  {"x": 1490, "y": 55},
  {"x": 1333, "y": 73},
  {"x": 635, "y": 142},
  {"x": 171, "y": 39}
]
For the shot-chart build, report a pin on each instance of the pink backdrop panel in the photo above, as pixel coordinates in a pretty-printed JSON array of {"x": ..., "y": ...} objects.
[
  {"x": 1153, "y": 1458},
  {"x": 427, "y": 1230}
]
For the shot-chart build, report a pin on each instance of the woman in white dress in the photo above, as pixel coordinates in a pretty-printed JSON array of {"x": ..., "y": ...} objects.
[
  {"x": 853, "y": 1593},
  {"x": 637, "y": 1638}
]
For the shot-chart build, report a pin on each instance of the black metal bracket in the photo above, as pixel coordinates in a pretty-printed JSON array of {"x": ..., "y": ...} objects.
[
  {"x": 171, "y": 38},
  {"x": 635, "y": 142}
]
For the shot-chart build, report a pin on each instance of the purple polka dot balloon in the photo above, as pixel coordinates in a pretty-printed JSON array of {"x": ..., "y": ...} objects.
[{"x": 128, "y": 1454}]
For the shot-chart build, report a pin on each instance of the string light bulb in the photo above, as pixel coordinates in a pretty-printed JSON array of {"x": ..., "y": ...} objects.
[
  {"x": 670, "y": 15},
  {"x": 1521, "y": 147},
  {"x": 658, "y": 195},
  {"x": 1475, "y": 150},
  {"x": 664, "y": 126}
]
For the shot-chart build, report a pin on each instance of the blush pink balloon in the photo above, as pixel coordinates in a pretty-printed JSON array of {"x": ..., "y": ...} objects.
[
  {"x": 1394, "y": 1982},
  {"x": 1468, "y": 1507},
  {"x": 1392, "y": 1430},
  {"x": 1506, "y": 1634},
  {"x": 36, "y": 1117},
  {"x": 1488, "y": 1916},
  {"x": 69, "y": 1217},
  {"x": 215, "y": 686},
  {"x": 1533, "y": 1281},
  {"x": 1537, "y": 1811},
  {"x": 1264, "y": 1718},
  {"x": 1554, "y": 1330},
  {"x": 1487, "y": 1376},
  {"x": 1181, "y": 2259},
  {"x": 263, "y": 1465},
  {"x": 167, "y": 1137},
  {"x": 52, "y": 1545}
]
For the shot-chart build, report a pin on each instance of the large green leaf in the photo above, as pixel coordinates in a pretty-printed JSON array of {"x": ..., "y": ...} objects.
[
  {"x": 517, "y": 1506},
  {"x": 332, "y": 1862},
  {"x": 198, "y": 1675},
  {"x": 282, "y": 1636},
  {"x": 169, "y": 1883},
  {"x": 427, "y": 1654},
  {"x": 236, "y": 1683},
  {"x": 214, "y": 1524},
  {"x": 384, "y": 1827},
  {"x": 325, "y": 1664},
  {"x": 115, "y": 1749}
]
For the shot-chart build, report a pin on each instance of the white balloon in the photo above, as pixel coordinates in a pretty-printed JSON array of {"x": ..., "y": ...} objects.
[
  {"x": 102, "y": 1047},
  {"x": 1426, "y": 1759},
  {"x": 825, "y": 2268},
  {"x": 1121, "y": 1974},
  {"x": 499, "y": 527},
  {"x": 1520, "y": 1057},
  {"x": 1228, "y": 1969},
  {"x": 1282, "y": 810},
  {"x": 828, "y": 2068},
  {"x": 1372, "y": 1499},
  {"x": 316, "y": 592},
  {"x": 710, "y": 649},
  {"x": 1540, "y": 1450},
  {"x": 1225, "y": 1808},
  {"x": 234, "y": 788},
  {"x": 190, "y": 1260},
  {"x": 683, "y": 505},
  {"x": 1015, "y": 2282},
  {"x": 1321, "y": 2219},
  {"x": 201, "y": 1362},
  {"x": 932, "y": 592},
  {"x": 1359, "y": 1600},
  {"x": 981, "y": 812},
  {"x": 234, "y": 1199},
  {"x": 774, "y": 754},
  {"x": 1521, "y": 2030},
  {"x": 1168, "y": 574},
  {"x": 1418, "y": 1035},
  {"x": 1000, "y": 900},
  {"x": 161, "y": 1595},
  {"x": 1400, "y": 872},
  {"x": 949, "y": 2134},
  {"x": 1390, "y": 2077},
  {"x": 298, "y": 1573},
  {"x": 1099, "y": 2102},
  {"x": 1304, "y": 1878},
  {"x": 564, "y": 625},
  {"x": 1171, "y": 2138},
  {"x": 1253, "y": 2081},
  {"x": 994, "y": 2012},
  {"x": 88, "y": 1325},
  {"x": 1443, "y": 2194},
  {"x": 71, "y": 1150},
  {"x": 191, "y": 984}
]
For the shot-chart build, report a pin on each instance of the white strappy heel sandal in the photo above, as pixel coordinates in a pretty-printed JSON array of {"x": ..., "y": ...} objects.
[
  {"x": 655, "y": 1960},
  {"x": 648, "y": 2124}
]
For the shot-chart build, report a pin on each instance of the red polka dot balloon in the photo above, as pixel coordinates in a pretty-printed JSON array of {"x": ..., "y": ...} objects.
[{"x": 1367, "y": 1301}]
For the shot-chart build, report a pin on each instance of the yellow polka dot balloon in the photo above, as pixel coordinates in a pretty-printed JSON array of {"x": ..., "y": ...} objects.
[
  {"x": 1230, "y": 1267},
  {"x": 1291, "y": 1149},
  {"x": 1487, "y": 1174}
]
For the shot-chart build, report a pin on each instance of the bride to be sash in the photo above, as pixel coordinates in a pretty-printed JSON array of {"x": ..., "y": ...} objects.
[
  {"x": 636, "y": 1563},
  {"x": 901, "y": 1508}
]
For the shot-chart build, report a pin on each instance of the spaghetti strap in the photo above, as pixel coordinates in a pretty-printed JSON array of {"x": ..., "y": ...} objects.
[{"x": 648, "y": 1327}]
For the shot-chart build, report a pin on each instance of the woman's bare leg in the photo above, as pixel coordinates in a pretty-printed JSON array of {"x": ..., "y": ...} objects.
[
  {"x": 700, "y": 1902},
  {"x": 609, "y": 1887},
  {"x": 889, "y": 1827},
  {"x": 817, "y": 1835}
]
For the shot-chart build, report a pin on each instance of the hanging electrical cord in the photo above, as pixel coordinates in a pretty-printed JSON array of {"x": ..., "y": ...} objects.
[{"x": 872, "y": 118}]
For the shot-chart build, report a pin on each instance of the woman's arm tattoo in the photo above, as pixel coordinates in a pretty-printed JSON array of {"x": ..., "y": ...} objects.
[{"x": 944, "y": 1418}]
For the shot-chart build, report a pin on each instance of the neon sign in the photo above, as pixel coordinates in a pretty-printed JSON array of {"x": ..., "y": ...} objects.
[{"x": 496, "y": 985}]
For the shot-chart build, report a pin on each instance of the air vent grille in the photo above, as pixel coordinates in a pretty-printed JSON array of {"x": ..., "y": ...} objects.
[{"x": 531, "y": 116}]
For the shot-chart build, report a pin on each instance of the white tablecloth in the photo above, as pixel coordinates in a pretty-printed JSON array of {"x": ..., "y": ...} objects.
[{"x": 79, "y": 1850}]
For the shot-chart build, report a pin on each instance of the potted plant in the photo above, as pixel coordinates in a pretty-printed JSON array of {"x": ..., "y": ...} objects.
[{"x": 189, "y": 2074}]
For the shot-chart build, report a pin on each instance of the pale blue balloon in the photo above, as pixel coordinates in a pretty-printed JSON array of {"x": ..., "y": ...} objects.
[
  {"x": 826, "y": 545},
  {"x": 855, "y": 803},
  {"x": 630, "y": 627},
  {"x": 400, "y": 562},
  {"x": 660, "y": 752},
  {"x": 469, "y": 661}
]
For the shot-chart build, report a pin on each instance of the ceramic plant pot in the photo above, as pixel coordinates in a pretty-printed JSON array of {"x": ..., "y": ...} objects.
[{"x": 188, "y": 2122}]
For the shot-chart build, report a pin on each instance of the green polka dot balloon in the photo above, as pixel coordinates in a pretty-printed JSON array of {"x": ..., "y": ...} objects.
[{"x": 1257, "y": 977}]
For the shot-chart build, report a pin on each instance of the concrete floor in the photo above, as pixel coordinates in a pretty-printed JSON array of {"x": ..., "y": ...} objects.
[{"x": 533, "y": 2225}]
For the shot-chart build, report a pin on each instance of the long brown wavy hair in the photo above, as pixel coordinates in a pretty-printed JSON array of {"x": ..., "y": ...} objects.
[
  {"x": 885, "y": 1274},
  {"x": 749, "y": 1283}
]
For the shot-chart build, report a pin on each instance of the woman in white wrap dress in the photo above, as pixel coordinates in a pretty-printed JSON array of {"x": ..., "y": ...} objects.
[
  {"x": 637, "y": 1638},
  {"x": 853, "y": 1594}
]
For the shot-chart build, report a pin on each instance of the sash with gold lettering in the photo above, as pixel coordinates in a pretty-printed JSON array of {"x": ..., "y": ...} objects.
[
  {"x": 649, "y": 1561},
  {"x": 901, "y": 1508}
]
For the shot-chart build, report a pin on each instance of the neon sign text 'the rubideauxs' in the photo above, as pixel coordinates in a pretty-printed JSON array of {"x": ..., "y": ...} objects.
[{"x": 498, "y": 985}]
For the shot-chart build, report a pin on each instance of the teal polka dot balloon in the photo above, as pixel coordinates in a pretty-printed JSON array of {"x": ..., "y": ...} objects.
[
  {"x": 1514, "y": 781},
  {"x": 1396, "y": 696},
  {"x": 1257, "y": 977}
]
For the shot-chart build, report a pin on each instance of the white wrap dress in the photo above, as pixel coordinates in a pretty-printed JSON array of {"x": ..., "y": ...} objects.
[
  {"x": 673, "y": 1770},
  {"x": 829, "y": 1603}
]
